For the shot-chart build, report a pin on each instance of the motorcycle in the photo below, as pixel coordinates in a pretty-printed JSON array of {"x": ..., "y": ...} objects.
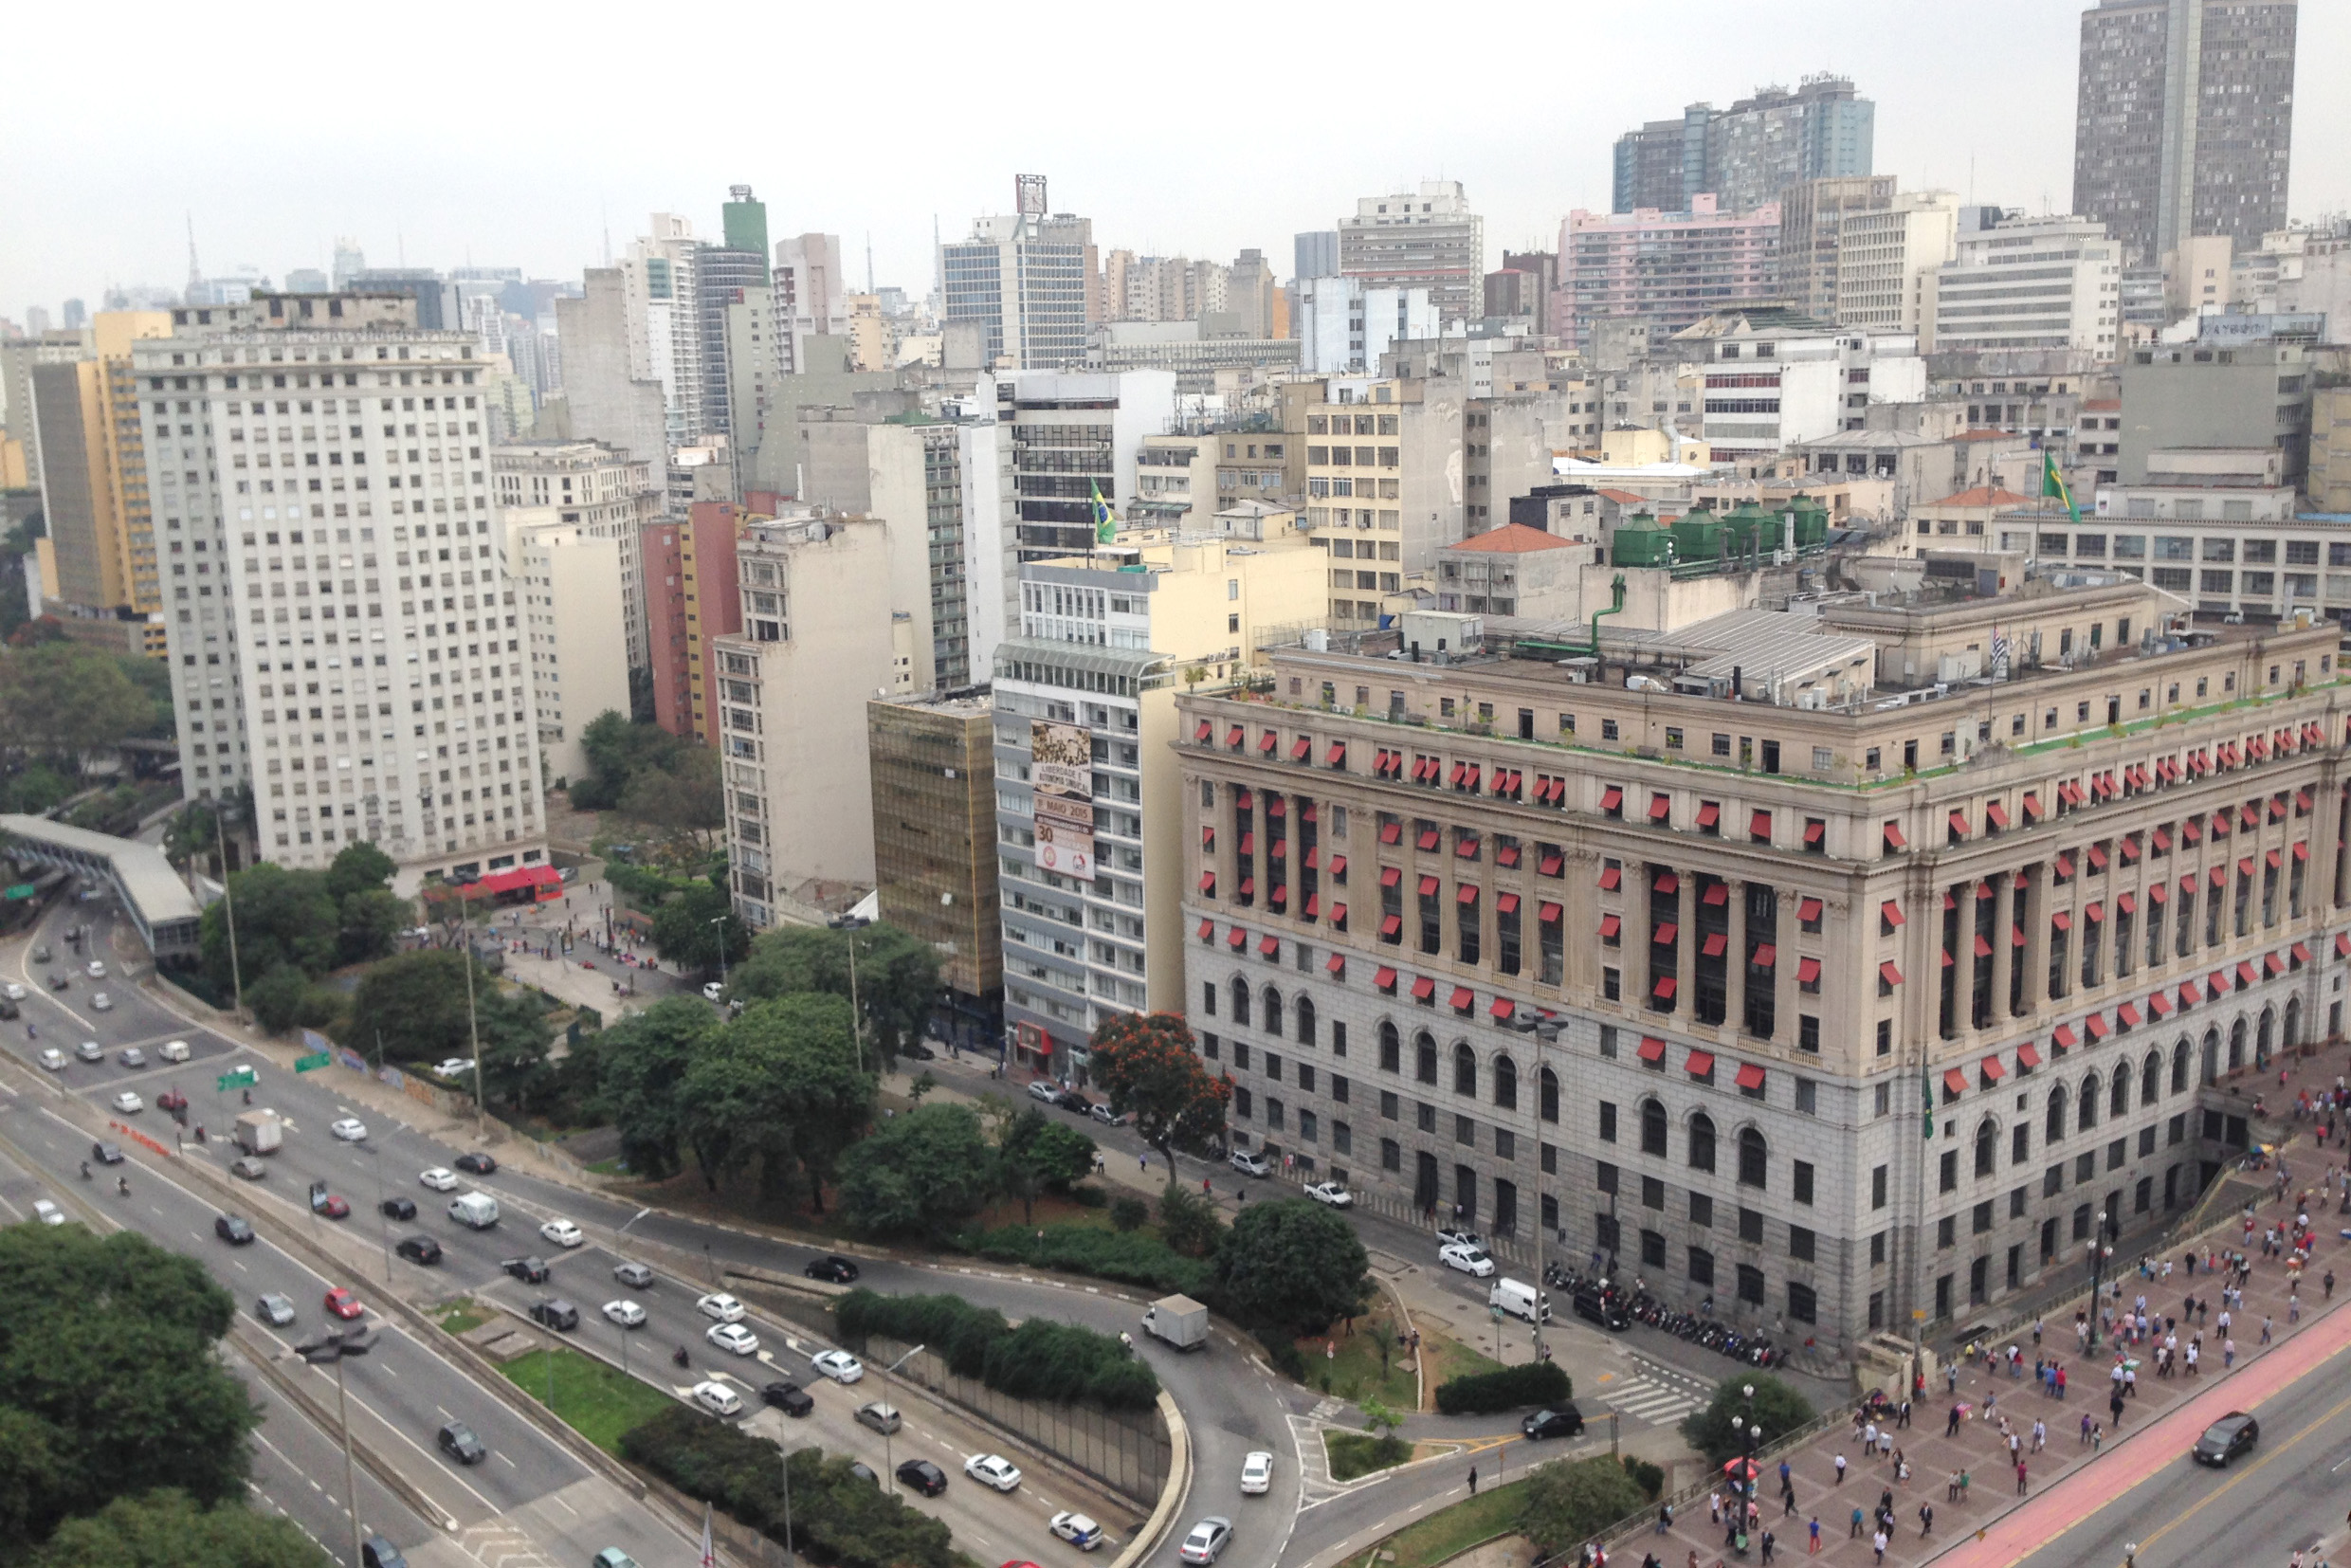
[
  {"x": 85, "y": 1170},
  {"x": 682, "y": 1358}
]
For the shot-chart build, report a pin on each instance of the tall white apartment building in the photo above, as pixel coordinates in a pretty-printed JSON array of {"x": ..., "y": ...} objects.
[
  {"x": 605, "y": 493},
  {"x": 1887, "y": 259},
  {"x": 1345, "y": 324},
  {"x": 1030, "y": 281},
  {"x": 664, "y": 301},
  {"x": 1426, "y": 238},
  {"x": 2030, "y": 283},
  {"x": 340, "y": 616},
  {"x": 812, "y": 295}
]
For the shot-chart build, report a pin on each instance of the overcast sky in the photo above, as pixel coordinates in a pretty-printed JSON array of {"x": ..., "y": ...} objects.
[{"x": 513, "y": 136}]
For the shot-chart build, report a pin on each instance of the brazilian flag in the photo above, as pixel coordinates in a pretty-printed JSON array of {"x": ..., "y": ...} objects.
[
  {"x": 1926, "y": 1089},
  {"x": 1106, "y": 520},
  {"x": 2053, "y": 484}
]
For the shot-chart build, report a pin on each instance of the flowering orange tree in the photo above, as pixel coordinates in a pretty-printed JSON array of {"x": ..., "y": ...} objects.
[{"x": 1153, "y": 1071}]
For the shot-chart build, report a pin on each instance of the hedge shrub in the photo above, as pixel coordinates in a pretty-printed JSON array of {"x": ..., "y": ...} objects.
[
  {"x": 1038, "y": 1361},
  {"x": 1130, "y": 1258},
  {"x": 1650, "y": 1478},
  {"x": 1482, "y": 1393},
  {"x": 837, "y": 1518}
]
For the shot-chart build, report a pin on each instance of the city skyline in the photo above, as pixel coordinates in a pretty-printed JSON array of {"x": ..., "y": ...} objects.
[{"x": 443, "y": 201}]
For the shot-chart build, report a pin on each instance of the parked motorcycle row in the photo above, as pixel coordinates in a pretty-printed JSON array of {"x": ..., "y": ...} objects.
[{"x": 1700, "y": 1328}]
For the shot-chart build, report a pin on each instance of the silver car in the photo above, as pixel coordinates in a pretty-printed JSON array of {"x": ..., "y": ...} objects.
[{"x": 1208, "y": 1539}]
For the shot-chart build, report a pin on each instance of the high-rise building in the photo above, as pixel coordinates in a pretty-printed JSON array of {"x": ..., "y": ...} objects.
[
  {"x": 1523, "y": 287},
  {"x": 1030, "y": 281},
  {"x": 933, "y": 764},
  {"x": 591, "y": 486},
  {"x": 1088, "y": 821},
  {"x": 1072, "y": 436},
  {"x": 352, "y": 650},
  {"x": 1315, "y": 254},
  {"x": 2030, "y": 283},
  {"x": 1748, "y": 153},
  {"x": 1666, "y": 268},
  {"x": 662, "y": 285},
  {"x": 726, "y": 277},
  {"x": 1419, "y": 239},
  {"x": 812, "y": 295},
  {"x": 18, "y": 355},
  {"x": 1345, "y": 324},
  {"x": 689, "y": 598},
  {"x": 95, "y": 492},
  {"x": 2183, "y": 123},
  {"x": 1383, "y": 462},
  {"x": 1886, "y": 262},
  {"x": 1811, "y": 213},
  {"x": 608, "y": 396}
]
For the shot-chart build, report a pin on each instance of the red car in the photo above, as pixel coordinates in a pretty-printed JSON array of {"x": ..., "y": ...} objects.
[
  {"x": 172, "y": 1100},
  {"x": 331, "y": 1205},
  {"x": 342, "y": 1303}
]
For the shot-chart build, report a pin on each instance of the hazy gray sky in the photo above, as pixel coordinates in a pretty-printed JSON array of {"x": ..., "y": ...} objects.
[{"x": 509, "y": 134}]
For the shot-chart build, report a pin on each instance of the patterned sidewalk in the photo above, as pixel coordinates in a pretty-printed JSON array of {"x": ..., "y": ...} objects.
[{"x": 1937, "y": 1448}]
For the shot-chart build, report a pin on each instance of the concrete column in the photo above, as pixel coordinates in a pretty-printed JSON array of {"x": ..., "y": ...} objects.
[
  {"x": 2003, "y": 949},
  {"x": 1735, "y": 958},
  {"x": 2036, "y": 959}
]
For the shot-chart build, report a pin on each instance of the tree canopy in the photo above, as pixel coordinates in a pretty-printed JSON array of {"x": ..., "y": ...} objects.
[
  {"x": 693, "y": 929},
  {"x": 411, "y": 1008},
  {"x": 919, "y": 1174},
  {"x": 897, "y": 976},
  {"x": 167, "y": 1530},
  {"x": 1151, "y": 1067},
  {"x": 1569, "y": 1501},
  {"x": 306, "y": 920},
  {"x": 639, "y": 1078},
  {"x": 109, "y": 1386},
  {"x": 1777, "y": 1409},
  {"x": 1294, "y": 1264},
  {"x": 62, "y": 699},
  {"x": 775, "y": 1089}
]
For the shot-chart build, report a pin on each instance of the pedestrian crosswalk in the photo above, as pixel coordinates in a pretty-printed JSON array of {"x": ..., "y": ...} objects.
[{"x": 1656, "y": 1396}]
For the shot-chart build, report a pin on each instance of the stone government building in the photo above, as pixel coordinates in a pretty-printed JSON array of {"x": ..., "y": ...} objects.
[{"x": 1658, "y": 956}]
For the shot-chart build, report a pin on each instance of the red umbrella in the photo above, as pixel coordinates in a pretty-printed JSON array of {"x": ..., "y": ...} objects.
[{"x": 1741, "y": 1469}]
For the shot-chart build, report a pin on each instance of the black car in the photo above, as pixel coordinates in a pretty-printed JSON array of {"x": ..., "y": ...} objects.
[
  {"x": 1560, "y": 1421},
  {"x": 423, "y": 1251},
  {"x": 41, "y": 954},
  {"x": 864, "y": 1472},
  {"x": 375, "y": 1551},
  {"x": 398, "y": 1208},
  {"x": 556, "y": 1313},
  {"x": 1071, "y": 1100},
  {"x": 923, "y": 1477},
  {"x": 1603, "y": 1304},
  {"x": 2232, "y": 1434},
  {"x": 106, "y": 1154},
  {"x": 59, "y": 980},
  {"x": 917, "y": 1051},
  {"x": 529, "y": 1270},
  {"x": 7, "y": 1009},
  {"x": 474, "y": 1163},
  {"x": 834, "y": 1268},
  {"x": 458, "y": 1441},
  {"x": 234, "y": 1228},
  {"x": 789, "y": 1398}
]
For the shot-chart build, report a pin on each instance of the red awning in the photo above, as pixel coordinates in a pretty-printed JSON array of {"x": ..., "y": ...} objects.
[
  {"x": 2127, "y": 902},
  {"x": 1815, "y": 831},
  {"x": 2220, "y": 876},
  {"x": 2128, "y": 1014},
  {"x": 1302, "y": 748},
  {"x": 1807, "y": 971},
  {"x": 1551, "y": 865},
  {"x": 1249, "y": 885},
  {"x": 2159, "y": 1004},
  {"x": 2095, "y": 911},
  {"x": 1611, "y": 799},
  {"x": 1750, "y": 1076},
  {"x": 1659, "y": 807},
  {"x": 1249, "y": 843},
  {"x": 2060, "y": 919},
  {"x": 1390, "y": 832},
  {"x": 1699, "y": 1063},
  {"x": 2032, "y": 803},
  {"x": 1893, "y": 836},
  {"x": 1427, "y": 887},
  {"x": 1888, "y": 973},
  {"x": 1463, "y": 999},
  {"x": 1760, "y": 824},
  {"x": 1267, "y": 741},
  {"x": 2099, "y": 1028},
  {"x": 1808, "y": 910},
  {"x": 1207, "y": 929},
  {"x": 1611, "y": 877},
  {"x": 1766, "y": 955},
  {"x": 2159, "y": 891},
  {"x": 2063, "y": 864},
  {"x": 1207, "y": 727},
  {"x": 1991, "y": 1069},
  {"x": 1391, "y": 875},
  {"x": 1715, "y": 896},
  {"x": 1664, "y": 933},
  {"x": 1466, "y": 848},
  {"x": 1953, "y": 1081},
  {"x": 2274, "y": 962},
  {"x": 1504, "y": 1006},
  {"x": 2274, "y": 859},
  {"x": 1389, "y": 926},
  {"x": 1958, "y": 823},
  {"x": 1208, "y": 882},
  {"x": 2244, "y": 866},
  {"x": 1384, "y": 977},
  {"x": 2218, "y": 983},
  {"x": 1236, "y": 938},
  {"x": 1983, "y": 948},
  {"x": 1549, "y": 913},
  {"x": 1651, "y": 1048},
  {"x": 1313, "y": 859},
  {"x": 2097, "y": 857},
  {"x": 1709, "y": 814},
  {"x": 2130, "y": 848},
  {"x": 1336, "y": 755},
  {"x": 2163, "y": 839},
  {"x": 1314, "y": 904},
  {"x": 1506, "y": 904},
  {"x": 1236, "y": 736},
  {"x": 1336, "y": 963},
  {"x": 2302, "y": 851},
  {"x": 1890, "y": 912},
  {"x": 1270, "y": 946},
  {"x": 2016, "y": 936},
  {"x": 1465, "y": 893},
  {"x": 2026, "y": 1056},
  {"x": 2063, "y": 1037},
  {"x": 1428, "y": 839},
  {"x": 2247, "y": 973},
  {"x": 1714, "y": 945},
  {"x": 1610, "y": 924},
  {"x": 1995, "y": 814},
  {"x": 2343, "y": 945},
  {"x": 1338, "y": 867},
  {"x": 1338, "y": 916},
  {"x": 2189, "y": 995},
  {"x": 1667, "y": 882},
  {"x": 1664, "y": 988},
  {"x": 2192, "y": 831},
  {"x": 1423, "y": 988}
]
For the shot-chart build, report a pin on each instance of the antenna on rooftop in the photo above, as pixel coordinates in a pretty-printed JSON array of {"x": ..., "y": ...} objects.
[{"x": 195, "y": 274}]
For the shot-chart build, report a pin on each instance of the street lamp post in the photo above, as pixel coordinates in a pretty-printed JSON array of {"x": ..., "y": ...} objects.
[
  {"x": 228, "y": 904},
  {"x": 721, "y": 922},
  {"x": 886, "y": 1425},
  {"x": 338, "y": 1346},
  {"x": 853, "y": 924},
  {"x": 2101, "y": 1248}
]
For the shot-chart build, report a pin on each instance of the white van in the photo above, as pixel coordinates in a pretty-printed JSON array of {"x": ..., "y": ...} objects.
[
  {"x": 477, "y": 1209},
  {"x": 1519, "y": 1299}
]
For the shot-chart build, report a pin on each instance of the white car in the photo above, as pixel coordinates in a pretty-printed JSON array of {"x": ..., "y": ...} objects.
[
  {"x": 1460, "y": 1238},
  {"x": 734, "y": 1336},
  {"x": 992, "y": 1469},
  {"x": 1078, "y": 1530},
  {"x": 562, "y": 1232},
  {"x": 48, "y": 1212},
  {"x": 13, "y": 991},
  {"x": 52, "y": 1059},
  {"x": 172, "y": 1051},
  {"x": 453, "y": 1066},
  {"x": 1044, "y": 1089},
  {"x": 129, "y": 1104},
  {"x": 440, "y": 1178},
  {"x": 350, "y": 1129},
  {"x": 1256, "y": 1472},
  {"x": 718, "y": 1398},
  {"x": 95, "y": 970},
  {"x": 628, "y": 1314},
  {"x": 1469, "y": 1260},
  {"x": 839, "y": 1365},
  {"x": 102, "y": 1003},
  {"x": 1332, "y": 1194},
  {"x": 1249, "y": 1162},
  {"x": 721, "y": 1306},
  {"x": 713, "y": 990}
]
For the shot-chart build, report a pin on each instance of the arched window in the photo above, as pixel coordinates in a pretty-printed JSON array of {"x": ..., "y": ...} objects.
[
  {"x": 1391, "y": 1048},
  {"x": 2118, "y": 1103},
  {"x": 2179, "y": 1065},
  {"x": 1273, "y": 1013},
  {"x": 2211, "y": 1056},
  {"x": 1701, "y": 1143},
  {"x": 1752, "y": 1157},
  {"x": 1240, "y": 1000},
  {"x": 1306, "y": 1020},
  {"x": 1465, "y": 1072},
  {"x": 2056, "y": 1128},
  {"x": 1550, "y": 1092},
  {"x": 2236, "y": 1044},
  {"x": 2151, "y": 1079},
  {"x": 1424, "y": 1058},
  {"x": 2293, "y": 1023},
  {"x": 1505, "y": 1083},
  {"x": 1987, "y": 1147},
  {"x": 2265, "y": 1038},
  {"x": 2089, "y": 1118},
  {"x": 1652, "y": 1127}
]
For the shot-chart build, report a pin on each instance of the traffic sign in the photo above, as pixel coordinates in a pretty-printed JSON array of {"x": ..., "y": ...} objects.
[
  {"x": 21, "y": 891},
  {"x": 239, "y": 1078},
  {"x": 316, "y": 1059}
]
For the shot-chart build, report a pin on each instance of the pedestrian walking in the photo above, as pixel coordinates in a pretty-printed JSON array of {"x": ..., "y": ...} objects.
[
  {"x": 1951, "y": 1489},
  {"x": 1473, "y": 1481},
  {"x": 1951, "y": 1427},
  {"x": 1870, "y": 1440},
  {"x": 1840, "y": 1469},
  {"x": 1814, "y": 1530},
  {"x": 2097, "y": 1438},
  {"x": 1926, "y": 1519},
  {"x": 2227, "y": 1354},
  {"x": 2265, "y": 1329},
  {"x": 1856, "y": 1529},
  {"x": 1714, "y": 1507},
  {"x": 1877, "y": 1544},
  {"x": 1768, "y": 1544},
  {"x": 2040, "y": 1435},
  {"x": 2020, "y": 1478},
  {"x": 2086, "y": 1426}
]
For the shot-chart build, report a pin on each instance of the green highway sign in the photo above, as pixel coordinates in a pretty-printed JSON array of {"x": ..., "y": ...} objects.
[
  {"x": 316, "y": 1059},
  {"x": 22, "y": 890},
  {"x": 239, "y": 1078}
]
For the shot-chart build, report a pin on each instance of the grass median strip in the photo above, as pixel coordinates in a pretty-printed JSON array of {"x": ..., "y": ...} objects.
[
  {"x": 599, "y": 1402},
  {"x": 1449, "y": 1531},
  {"x": 1353, "y": 1453}
]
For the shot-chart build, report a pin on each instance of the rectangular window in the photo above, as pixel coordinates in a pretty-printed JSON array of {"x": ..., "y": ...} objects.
[
  {"x": 1800, "y": 1244},
  {"x": 1877, "y": 1187},
  {"x": 1804, "y": 1182},
  {"x": 1607, "y": 1121}
]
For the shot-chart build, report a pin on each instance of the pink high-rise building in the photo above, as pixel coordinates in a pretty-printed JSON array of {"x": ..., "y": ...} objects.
[{"x": 1665, "y": 268}]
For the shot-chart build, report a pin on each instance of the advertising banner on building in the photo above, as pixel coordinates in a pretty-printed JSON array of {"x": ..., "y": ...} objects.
[{"x": 1062, "y": 770}]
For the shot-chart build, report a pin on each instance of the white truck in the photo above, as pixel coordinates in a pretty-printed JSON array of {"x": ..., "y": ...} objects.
[
  {"x": 259, "y": 1132},
  {"x": 1179, "y": 1321},
  {"x": 477, "y": 1211}
]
